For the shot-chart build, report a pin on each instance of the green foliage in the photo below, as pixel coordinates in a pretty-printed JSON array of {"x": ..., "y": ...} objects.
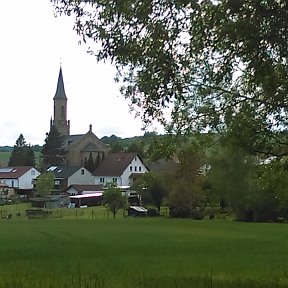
[
  {"x": 232, "y": 177},
  {"x": 151, "y": 188},
  {"x": 44, "y": 184},
  {"x": 109, "y": 140},
  {"x": 116, "y": 147},
  {"x": 53, "y": 152},
  {"x": 202, "y": 60},
  {"x": 273, "y": 181},
  {"x": 186, "y": 197},
  {"x": 22, "y": 154},
  {"x": 137, "y": 147},
  {"x": 114, "y": 199},
  {"x": 89, "y": 164}
]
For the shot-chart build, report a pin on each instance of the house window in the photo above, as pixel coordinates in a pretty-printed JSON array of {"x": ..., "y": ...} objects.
[
  {"x": 82, "y": 171},
  {"x": 102, "y": 180},
  {"x": 131, "y": 168},
  {"x": 140, "y": 168},
  {"x": 114, "y": 180}
]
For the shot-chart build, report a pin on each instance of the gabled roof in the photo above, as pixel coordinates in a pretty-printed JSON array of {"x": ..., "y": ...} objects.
[
  {"x": 60, "y": 91},
  {"x": 80, "y": 188},
  {"x": 69, "y": 139},
  {"x": 91, "y": 147},
  {"x": 14, "y": 172},
  {"x": 115, "y": 164},
  {"x": 63, "y": 172}
]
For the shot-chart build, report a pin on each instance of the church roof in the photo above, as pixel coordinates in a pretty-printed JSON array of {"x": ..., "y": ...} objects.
[
  {"x": 91, "y": 147},
  {"x": 69, "y": 139},
  {"x": 60, "y": 91}
]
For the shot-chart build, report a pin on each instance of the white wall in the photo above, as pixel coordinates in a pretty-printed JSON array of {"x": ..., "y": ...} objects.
[
  {"x": 79, "y": 178},
  {"x": 137, "y": 167},
  {"x": 11, "y": 182},
  {"x": 124, "y": 179},
  {"x": 26, "y": 180}
]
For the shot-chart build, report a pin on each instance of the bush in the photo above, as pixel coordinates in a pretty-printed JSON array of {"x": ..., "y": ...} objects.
[
  {"x": 179, "y": 212},
  {"x": 152, "y": 212}
]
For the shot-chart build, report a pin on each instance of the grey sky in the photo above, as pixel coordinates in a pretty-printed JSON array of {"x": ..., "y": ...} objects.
[{"x": 33, "y": 42}]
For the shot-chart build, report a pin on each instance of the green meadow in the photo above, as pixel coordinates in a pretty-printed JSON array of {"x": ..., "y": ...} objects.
[{"x": 85, "y": 251}]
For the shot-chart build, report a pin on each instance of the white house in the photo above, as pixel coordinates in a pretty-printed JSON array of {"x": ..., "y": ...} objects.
[
  {"x": 19, "y": 177},
  {"x": 120, "y": 168},
  {"x": 68, "y": 175}
]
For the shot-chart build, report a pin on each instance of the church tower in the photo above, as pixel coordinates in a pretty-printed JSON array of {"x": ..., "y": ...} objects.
[{"x": 60, "y": 108}]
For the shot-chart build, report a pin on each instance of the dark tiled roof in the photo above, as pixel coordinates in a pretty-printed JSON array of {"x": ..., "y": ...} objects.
[
  {"x": 63, "y": 172},
  {"x": 80, "y": 188},
  {"x": 114, "y": 164},
  {"x": 60, "y": 91},
  {"x": 14, "y": 172}
]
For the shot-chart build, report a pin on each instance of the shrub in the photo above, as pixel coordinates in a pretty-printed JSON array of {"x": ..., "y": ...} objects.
[{"x": 152, "y": 212}]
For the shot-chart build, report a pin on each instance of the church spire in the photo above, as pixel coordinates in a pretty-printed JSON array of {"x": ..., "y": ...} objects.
[
  {"x": 60, "y": 91},
  {"x": 60, "y": 108}
]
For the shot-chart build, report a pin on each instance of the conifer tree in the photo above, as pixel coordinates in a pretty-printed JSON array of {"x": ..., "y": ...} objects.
[
  {"x": 53, "y": 152},
  {"x": 22, "y": 154}
]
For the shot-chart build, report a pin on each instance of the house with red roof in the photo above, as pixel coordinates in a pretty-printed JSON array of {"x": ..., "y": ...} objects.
[
  {"x": 21, "y": 178},
  {"x": 120, "y": 168}
]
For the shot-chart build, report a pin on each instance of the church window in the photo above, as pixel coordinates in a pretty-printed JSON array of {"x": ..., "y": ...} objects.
[
  {"x": 102, "y": 180},
  {"x": 135, "y": 169},
  {"x": 131, "y": 168},
  {"x": 140, "y": 168},
  {"x": 82, "y": 171},
  {"x": 114, "y": 180}
]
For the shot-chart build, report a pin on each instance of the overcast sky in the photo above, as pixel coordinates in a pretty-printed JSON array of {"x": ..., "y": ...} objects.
[{"x": 33, "y": 42}]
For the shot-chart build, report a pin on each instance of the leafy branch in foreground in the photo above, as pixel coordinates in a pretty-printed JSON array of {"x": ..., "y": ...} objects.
[{"x": 196, "y": 65}]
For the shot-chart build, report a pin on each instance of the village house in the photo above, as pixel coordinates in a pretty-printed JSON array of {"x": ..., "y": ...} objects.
[
  {"x": 122, "y": 168},
  {"x": 19, "y": 178},
  {"x": 68, "y": 175}
]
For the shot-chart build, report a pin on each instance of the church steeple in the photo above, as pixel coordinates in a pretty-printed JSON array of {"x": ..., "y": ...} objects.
[
  {"x": 60, "y": 91},
  {"x": 60, "y": 108}
]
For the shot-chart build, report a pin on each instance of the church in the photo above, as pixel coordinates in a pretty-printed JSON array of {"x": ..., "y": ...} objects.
[{"x": 79, "y": 148}]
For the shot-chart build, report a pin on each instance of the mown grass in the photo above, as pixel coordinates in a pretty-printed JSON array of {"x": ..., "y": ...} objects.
[{"x": 137, "y": 252}]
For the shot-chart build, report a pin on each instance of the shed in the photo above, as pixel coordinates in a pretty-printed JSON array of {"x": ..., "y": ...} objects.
[
  {"x": 89, "y": 199},
  {"x": 137, "y": 211}
]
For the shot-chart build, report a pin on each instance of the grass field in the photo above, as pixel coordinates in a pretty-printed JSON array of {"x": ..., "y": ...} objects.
[
  {"x": 5, "y": 156},
  {"x": 137, "y": 252}
]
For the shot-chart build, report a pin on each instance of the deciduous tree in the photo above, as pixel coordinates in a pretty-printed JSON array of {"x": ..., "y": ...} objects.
[
  {"x": 219, "y": 65},
  {"x": 44, "y": 184},
  {"x": 114, "y": 199}
]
